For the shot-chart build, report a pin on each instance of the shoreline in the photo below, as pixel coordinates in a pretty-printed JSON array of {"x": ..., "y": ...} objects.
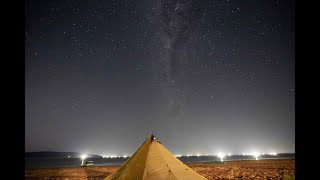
[
  {"x": 100, "y": 164},
  {"x": 243, "y": 169}
]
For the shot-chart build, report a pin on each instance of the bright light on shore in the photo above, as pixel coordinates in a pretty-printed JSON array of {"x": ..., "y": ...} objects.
[
  {"x": 177, "y": 155},
  {"x": 83, "y": 156},
  {"x": 273, "y": 153},
  {"x": 220, "y": 155},
  {"x": 256, "y": 155}
]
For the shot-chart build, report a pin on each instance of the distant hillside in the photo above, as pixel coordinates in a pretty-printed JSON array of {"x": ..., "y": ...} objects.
[{"x": 53, "y": 154}]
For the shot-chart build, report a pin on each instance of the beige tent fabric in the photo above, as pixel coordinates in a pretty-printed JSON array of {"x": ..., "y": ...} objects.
[
  {"x": 134, "y": 167},
  {"x": 152, "y": 161},
  {"x": 161, "y": 164}
]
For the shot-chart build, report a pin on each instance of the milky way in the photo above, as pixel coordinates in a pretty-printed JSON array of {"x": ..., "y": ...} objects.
[
  {"x": 176, "y": 27},
  {"x": 202, "y": 75}
]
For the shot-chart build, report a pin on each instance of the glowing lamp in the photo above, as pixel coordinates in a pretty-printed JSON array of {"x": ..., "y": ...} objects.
[
  {"x": 256, "y": 155},
  {"x": 220, "y": 155},
  {"x": 83, "y": 156}
]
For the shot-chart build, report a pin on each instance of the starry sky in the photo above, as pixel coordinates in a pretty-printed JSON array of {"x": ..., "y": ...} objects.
[{"x": 203, "y": 76}]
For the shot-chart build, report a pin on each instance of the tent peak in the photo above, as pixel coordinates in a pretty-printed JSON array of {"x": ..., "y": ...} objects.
[
  {"x": 152, "y": 161},
  {"x": 153, "y": 138}
]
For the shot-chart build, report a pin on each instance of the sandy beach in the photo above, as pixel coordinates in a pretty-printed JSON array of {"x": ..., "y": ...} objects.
[{"x": 248, "y": 169}]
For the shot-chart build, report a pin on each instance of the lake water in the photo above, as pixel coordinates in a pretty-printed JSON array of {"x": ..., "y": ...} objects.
[{"x": 76, "y": 162}]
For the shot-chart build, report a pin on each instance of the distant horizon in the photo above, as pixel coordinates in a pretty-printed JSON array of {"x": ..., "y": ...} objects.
[{"x": 266, "y": 153}]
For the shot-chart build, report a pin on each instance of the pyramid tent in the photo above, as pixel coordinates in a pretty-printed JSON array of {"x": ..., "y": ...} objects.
[{"x": 152, "y": 161}]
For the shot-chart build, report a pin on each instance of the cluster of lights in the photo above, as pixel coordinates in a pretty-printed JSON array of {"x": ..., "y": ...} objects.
[
  {"x": 247, "y": 154},
  {"x": 115, "y": 156},
  {"x": 220, "y": 155},
  {"x": 198, "y": 155},
  {"x": 254, "y": 154},
  {"x": 112, "y": 156}
]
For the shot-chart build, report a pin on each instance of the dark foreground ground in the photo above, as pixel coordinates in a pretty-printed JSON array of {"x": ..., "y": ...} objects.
[{"x": 249, "y": 169}]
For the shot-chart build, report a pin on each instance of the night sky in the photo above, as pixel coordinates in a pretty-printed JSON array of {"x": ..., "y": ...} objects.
[{"x": 202, "y": 76}]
